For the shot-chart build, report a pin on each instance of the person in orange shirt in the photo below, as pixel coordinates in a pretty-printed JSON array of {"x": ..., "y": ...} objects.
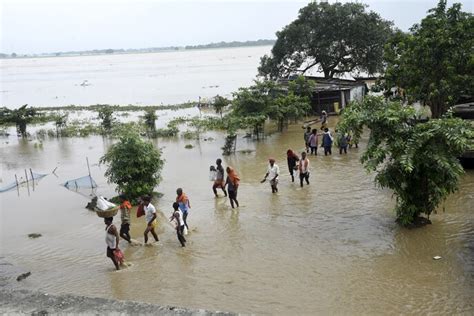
[
  {"x": 232, "y": 183},
  {"x": 184, "y": 204},
  {"x": 125, "y": 207}
]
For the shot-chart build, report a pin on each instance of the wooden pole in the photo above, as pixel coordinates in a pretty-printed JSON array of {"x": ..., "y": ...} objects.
[
  {"x": 89, "y": 169},
  {"x": 17, "y": 185},
  {"x": 27, "y": 182},
  {"x": 32, "y": 179},
  {"x": 26, "y": 176}
]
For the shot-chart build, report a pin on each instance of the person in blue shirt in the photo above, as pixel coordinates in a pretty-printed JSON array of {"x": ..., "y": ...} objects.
[{"x": 327, "y": 142}]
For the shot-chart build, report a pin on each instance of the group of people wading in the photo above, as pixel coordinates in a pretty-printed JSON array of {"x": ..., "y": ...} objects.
[
  {"x": 145, "y": 208},
  {"x": 226, "y": 181}
]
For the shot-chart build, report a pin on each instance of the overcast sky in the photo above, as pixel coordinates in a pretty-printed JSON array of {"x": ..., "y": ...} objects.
[{"x": 39, "y": 26}]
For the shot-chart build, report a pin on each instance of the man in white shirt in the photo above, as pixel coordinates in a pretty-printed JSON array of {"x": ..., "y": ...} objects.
[
  {"x": 273, "y": 171},
  {"x": 304, "y": 169},
  {"x": 150, "y": 217}
]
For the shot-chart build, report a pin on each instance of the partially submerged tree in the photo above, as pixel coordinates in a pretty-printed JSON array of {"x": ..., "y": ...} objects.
[
  {"x": 219, "y": 104},
  {"x": 253, "y": 104},
  {"x": 288, "y": 107},
  {"x": 150, "y": 117},
  {"x": 106, "y": 115},
  {"x": 418, "y": 161},
  {"x": 336, "y": 38},
  {"x": 434, "y": 62},
  {"x": 21, "y": 117},
  {"x": 133, "y": 164}
]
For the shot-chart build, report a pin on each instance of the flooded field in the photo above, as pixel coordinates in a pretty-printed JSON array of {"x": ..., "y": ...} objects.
[
  {"x": 139, "y": 79},
  {"x": 329, "y": 248}
]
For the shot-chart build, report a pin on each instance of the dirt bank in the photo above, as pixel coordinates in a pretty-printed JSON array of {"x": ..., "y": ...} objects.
[{"x": 36, "y": 303}]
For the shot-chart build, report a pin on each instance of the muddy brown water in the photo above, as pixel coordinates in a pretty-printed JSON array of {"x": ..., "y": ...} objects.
[{"x": 330, "y": 248}]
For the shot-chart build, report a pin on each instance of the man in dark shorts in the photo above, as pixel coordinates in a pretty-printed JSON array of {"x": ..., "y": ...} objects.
[
  {"x": 111, "y": 240},
  {"x": 219, "y": 182}
]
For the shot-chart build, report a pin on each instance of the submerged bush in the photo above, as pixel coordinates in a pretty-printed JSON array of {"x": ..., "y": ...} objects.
[{"x": 133, "y": 164}]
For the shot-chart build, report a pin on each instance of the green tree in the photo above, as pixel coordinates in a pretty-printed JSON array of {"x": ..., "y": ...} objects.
[
  {"x": 302, "y": 87},
  {"x": 418, "y": 161},
  {"x": 21, "y": 117},
  {"x": 337, "y": 38},
  {"x": 288, "y": 107},
  {"x": 219, "y": 104},
  {"x": 150, "y": 118},
  {"x": 434, "y": 62},
  {"x": 134, "y": 165},
  {"x": 253, "y": 104},
  {"x": 106, "y": 115}
]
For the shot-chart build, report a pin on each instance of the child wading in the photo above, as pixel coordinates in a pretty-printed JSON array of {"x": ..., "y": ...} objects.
[
  {"x": 304, "y": 169},
  {"x": 125, "y": 207},
  {"x": 313, "y": 142},
  {"x": 219, "y": 182},
  {"x": 111, "y": 240},
  {"x": 177, "y": 218},
  {"x": 273, "y": 171},
  {"x": 327, "y": 142},
  {"x": 150, "y": 217},
  {"x": 232, "y": 183},
  {"x": 184, "y": 205},
  {"x": 292, "y": 159}
]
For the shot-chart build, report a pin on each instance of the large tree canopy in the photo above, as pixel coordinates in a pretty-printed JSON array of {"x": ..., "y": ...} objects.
[
  {"x": 337, "y": 38},
  {"x": 418, "y": 161},
  {"x": 434, "y": 62}
]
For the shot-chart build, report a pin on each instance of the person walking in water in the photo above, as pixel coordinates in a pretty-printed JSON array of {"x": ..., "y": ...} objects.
[
  {"x": 292, "y": 160},
  {"x": 313, "y": 142},
  {"x": 111, "y": 240},
  {"x": 232, "y": 183},
  {"x": 343, "y": 142},
  {"x": 219, "y": 182},
  {"x": 304, "y": 169},
  {"x": 125, "y": 207},
  {"x": 184, "y": 205},
  {"x": 150, "y": 217},
  {"x": 327, "y": 142},
  {"x": 306, "y": 136},
  {"x": 272, "y": 171},
  {"x": 177, "y": 218},
  {"x": 324, "y": 119}
]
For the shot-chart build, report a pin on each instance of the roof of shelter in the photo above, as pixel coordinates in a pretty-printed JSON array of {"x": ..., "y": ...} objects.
[{"x": 330, "y": 84}]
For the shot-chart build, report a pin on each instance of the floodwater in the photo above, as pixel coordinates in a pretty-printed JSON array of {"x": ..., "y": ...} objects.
[
  {"x": 328, "y": 248},
  {"x": 139, "y": 79}
]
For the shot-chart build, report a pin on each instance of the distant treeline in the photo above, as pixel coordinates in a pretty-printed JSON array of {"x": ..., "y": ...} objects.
[{"x": 260, "y": 42}]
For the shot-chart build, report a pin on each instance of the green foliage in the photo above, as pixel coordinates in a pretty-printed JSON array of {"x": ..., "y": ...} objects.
[
  {"x": 417, "y": 160},
  {"x": 434, "y": 62},
  {"x": 337, "y": 38},
  {"x": 230, "y": 144},
  {"x": 301, "y": 87},
  {"x": 133, "y": 164},
  {"x": 150, "y": 118},
  {"x": 106, "y": 115},
  {"x": 20, "y": 117},
  {"x": 219, "y": 104},
  {"x": 289, "y": 107}
]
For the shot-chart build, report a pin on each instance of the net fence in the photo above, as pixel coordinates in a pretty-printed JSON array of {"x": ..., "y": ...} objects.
[
  {"x": 82, "y": 182},
  {"x": 14, "y": 184}
]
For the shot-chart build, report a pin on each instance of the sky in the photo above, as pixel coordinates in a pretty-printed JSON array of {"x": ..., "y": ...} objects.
[{"x": 45, "y": 26}]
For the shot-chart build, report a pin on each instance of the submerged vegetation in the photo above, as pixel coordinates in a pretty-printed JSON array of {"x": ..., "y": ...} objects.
[{"x": 133, "y": 164}]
